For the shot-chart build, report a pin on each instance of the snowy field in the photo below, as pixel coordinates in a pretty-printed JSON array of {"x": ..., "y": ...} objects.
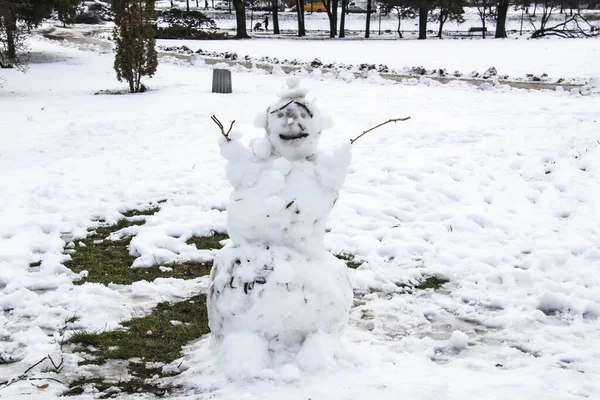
[
  {"x": 494, "y": 190},
  {"x": 572, "y": 60}
]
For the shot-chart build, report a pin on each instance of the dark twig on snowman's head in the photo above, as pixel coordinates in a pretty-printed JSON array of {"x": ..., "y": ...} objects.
[
  {"x": 220, "y": 125},
  {"x": 305, "y": 107},
  {"x": 282, "y": 107}
]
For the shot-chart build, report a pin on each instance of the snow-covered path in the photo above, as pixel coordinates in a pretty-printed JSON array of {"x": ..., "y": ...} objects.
[{"x": 495, "y": 190}]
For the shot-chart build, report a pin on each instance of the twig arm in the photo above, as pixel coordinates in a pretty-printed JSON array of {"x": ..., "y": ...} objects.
[
  {"x": 222, "y": 128},
  {"x": 377, "y": 126}
]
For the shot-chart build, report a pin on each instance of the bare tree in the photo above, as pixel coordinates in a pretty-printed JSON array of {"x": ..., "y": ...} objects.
[
  {"x": 420, "y": 6},
  {"x": 403, "y": 11},
  {"x": 447, "y": 10},
  {"x": 486, "y": 13},
  {"x": 574, "y": 26}
]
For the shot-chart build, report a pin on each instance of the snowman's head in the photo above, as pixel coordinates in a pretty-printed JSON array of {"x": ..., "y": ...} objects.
[{"x": 293, "y": 124}]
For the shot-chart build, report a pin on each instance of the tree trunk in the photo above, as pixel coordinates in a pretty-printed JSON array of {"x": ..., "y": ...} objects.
[
  {"x": 300, "y": 12},
  {"x": 331, "y": 18},
  {"x": 334, "y": 7},
  {"x": 423, "y": 11},
  {"x": 331, "y": 6},
  {"x": 483, "y": 17},
  {"x": 368, "y": 24},
  {"x": 240, "y": 17},
  {"x": 343, "y": 19},
  {"x": 275, "y": 10},
  {"x": 399, "y": 26},
  {"x": 187, "y": 5},
  {"x": 501, "y": 20},
  {"x": 10, "y": 21},
  {"x": 441, "y": 21}
]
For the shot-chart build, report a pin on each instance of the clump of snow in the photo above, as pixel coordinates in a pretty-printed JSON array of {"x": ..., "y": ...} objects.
[{"x": 459, "y": 340}]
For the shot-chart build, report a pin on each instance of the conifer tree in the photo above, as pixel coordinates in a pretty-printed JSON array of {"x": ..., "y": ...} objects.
[{"x": 134, "y": 37}]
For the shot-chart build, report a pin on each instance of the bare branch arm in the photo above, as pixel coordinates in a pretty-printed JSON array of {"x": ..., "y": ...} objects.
[
  {"x": 220, "y": 125},
  {"x": 375, "y": 127}
]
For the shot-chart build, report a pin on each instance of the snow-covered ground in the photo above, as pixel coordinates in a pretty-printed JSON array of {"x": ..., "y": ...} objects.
[
  {"x": 495, "y": 190},
  {"x": 567, "y": 59},
  {"x": 516, "y": 57}
]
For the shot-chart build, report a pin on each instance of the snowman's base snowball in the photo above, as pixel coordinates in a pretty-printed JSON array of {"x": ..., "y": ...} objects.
[
  {"x": 281, "y": 296},
  {"x": 244, "y": 355}
]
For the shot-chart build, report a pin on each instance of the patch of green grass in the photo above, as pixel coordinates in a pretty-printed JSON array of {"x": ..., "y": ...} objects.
[
  {"x": 103, "y": 231},
  {"x": 157, "y": 337},
  {"x": 432, "y": 282},
  {"x": 147, "y": 211},
  {"x": 108, "y": 261},
  {"x": 551, "y": 312},
  {"x": 208, "y": 242},
  {"x": 349, "y": 260},
  {"x": 132, "y": 386},
  {"x": 105, "y": 260},
  {"x": 153, "y": 337}
]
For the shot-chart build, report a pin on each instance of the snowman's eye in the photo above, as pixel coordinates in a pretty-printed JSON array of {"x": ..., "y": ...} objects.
[
  {"x": 280, "y": 114},
  {"x": 303, "y": 115}
]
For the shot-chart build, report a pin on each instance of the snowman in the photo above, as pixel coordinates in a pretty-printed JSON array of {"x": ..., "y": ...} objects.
[{"x": 276, "y": 298}]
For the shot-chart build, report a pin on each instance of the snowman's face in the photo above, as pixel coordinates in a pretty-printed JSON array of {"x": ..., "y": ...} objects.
[{"x": 293, "y": 130}]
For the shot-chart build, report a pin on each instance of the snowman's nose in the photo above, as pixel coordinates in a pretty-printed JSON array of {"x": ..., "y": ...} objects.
[{"x": 290, "y": 120}]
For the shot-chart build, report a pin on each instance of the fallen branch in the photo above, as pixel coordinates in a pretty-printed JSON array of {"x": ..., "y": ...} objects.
[
  {"x": 220, "y": 125},
  {"x": 375, "y": 127},
  {"x": 24, "y": 377}
]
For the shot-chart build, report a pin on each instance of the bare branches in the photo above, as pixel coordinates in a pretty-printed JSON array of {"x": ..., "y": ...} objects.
[
  {"x": 377, "y": 126},
  {"x": 573, "y": 27},
  {"x": 220, "y": 125},
  {"x": 55, "y": 368},
  {"x": 576, "y": 26}
]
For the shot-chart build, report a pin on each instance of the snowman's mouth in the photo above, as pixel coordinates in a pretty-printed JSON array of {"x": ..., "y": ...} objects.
[{"x": 293, "y": 136}]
